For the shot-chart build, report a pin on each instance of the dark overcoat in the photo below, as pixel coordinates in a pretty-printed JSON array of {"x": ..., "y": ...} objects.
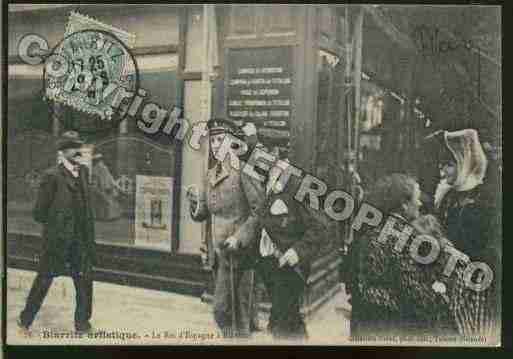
[
  {"x": 299, "y": 227},
  {"x": 64, "y": 233},
  {"x": 473, "y": 225}
]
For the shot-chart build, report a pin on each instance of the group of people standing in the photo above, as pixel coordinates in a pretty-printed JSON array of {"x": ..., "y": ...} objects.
[
  {"x": 253, "y": 227},
  {"x": 257, "y": 226},
  {"x": 263, "y": 228},
  {"x": 393, "y": 294}
]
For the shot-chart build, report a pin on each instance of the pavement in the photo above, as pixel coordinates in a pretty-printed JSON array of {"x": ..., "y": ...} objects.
[{"x": 125, "y": 315}]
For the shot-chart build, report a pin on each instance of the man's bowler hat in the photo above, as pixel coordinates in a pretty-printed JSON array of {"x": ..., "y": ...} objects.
[{"x": 69, "y": 139}]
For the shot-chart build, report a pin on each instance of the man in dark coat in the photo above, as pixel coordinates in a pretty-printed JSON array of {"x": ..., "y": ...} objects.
[
  {"x": 63, "y": 208},
  {"x": 292, "y": 236}
]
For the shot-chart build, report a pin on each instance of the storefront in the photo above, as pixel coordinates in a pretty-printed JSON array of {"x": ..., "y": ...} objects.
[
  {"x": 264, "y": 65},
  {"x": 318, "y": 82}
]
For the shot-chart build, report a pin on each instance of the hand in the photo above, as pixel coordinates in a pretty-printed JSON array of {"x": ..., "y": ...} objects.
[
  {"x": 192, "y": 193},
  {"x": 290, "y": 257},
  {"x": 231, "y": 243},
  {"x": 119, "y": 189}
]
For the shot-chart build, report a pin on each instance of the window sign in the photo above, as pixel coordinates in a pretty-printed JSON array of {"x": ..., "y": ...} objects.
[
  {"x": 153, "y": 211},
  {"x": 259, "y": 90}
]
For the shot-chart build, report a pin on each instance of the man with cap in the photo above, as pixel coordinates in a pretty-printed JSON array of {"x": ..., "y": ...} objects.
[
  {"x": 63, "y": 208},
  {"x": 231, "y": 200},
  {"x": 291, "y": 238}
]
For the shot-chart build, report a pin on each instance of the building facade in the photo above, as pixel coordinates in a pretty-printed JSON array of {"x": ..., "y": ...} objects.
[
  {"x": 210, "y": 61},
  {"x": 318, "y": 82}
]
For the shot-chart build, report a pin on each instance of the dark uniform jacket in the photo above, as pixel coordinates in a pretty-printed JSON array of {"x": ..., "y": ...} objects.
[
  {"x": 300, "y": 227},
  {"x": 63, "y": 208}
]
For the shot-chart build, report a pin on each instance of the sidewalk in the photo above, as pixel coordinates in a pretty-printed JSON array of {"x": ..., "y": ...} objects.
[{"x": 135, "y": 316}]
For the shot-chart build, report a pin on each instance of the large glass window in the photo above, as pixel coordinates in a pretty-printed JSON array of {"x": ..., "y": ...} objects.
[
  {"x": 30, "y": 149},
  {"x": 132, "y": 175}
]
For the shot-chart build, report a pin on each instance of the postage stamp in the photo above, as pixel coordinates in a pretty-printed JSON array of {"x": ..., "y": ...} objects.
[{"x": 92, "y": 70}]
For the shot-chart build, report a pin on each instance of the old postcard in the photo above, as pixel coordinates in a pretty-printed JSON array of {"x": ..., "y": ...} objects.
[{"x": 253, "y": 174}]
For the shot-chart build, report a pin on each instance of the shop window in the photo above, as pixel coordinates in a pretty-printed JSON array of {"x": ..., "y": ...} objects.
[
  {"x": 373, "y": 113},
  {"x": 132, "y": 176},
  {"x": 138, "y": 209},
  {"x": 29, "y": 144}
]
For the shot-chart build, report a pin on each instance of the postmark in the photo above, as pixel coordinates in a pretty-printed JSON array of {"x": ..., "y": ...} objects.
[{"x": 93, "y": 71}]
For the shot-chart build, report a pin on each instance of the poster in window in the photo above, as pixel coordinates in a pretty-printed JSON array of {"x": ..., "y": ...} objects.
[{"x": 153, "y": 207}]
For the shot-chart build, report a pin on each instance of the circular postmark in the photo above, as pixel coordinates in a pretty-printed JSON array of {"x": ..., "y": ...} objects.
[{"x": 94, "y": 72}]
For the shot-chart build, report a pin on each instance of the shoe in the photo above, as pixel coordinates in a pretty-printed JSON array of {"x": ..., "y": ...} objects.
[
  {"x": 83, "y": 328},
  {"x": 23, "y": 329}
]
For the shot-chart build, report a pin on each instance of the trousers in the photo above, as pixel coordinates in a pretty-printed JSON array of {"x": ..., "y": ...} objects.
[
  {"x": 243, "y": 280},
  {"x": 39, "y": 290},
  {"x": 285, "y": 289}
]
